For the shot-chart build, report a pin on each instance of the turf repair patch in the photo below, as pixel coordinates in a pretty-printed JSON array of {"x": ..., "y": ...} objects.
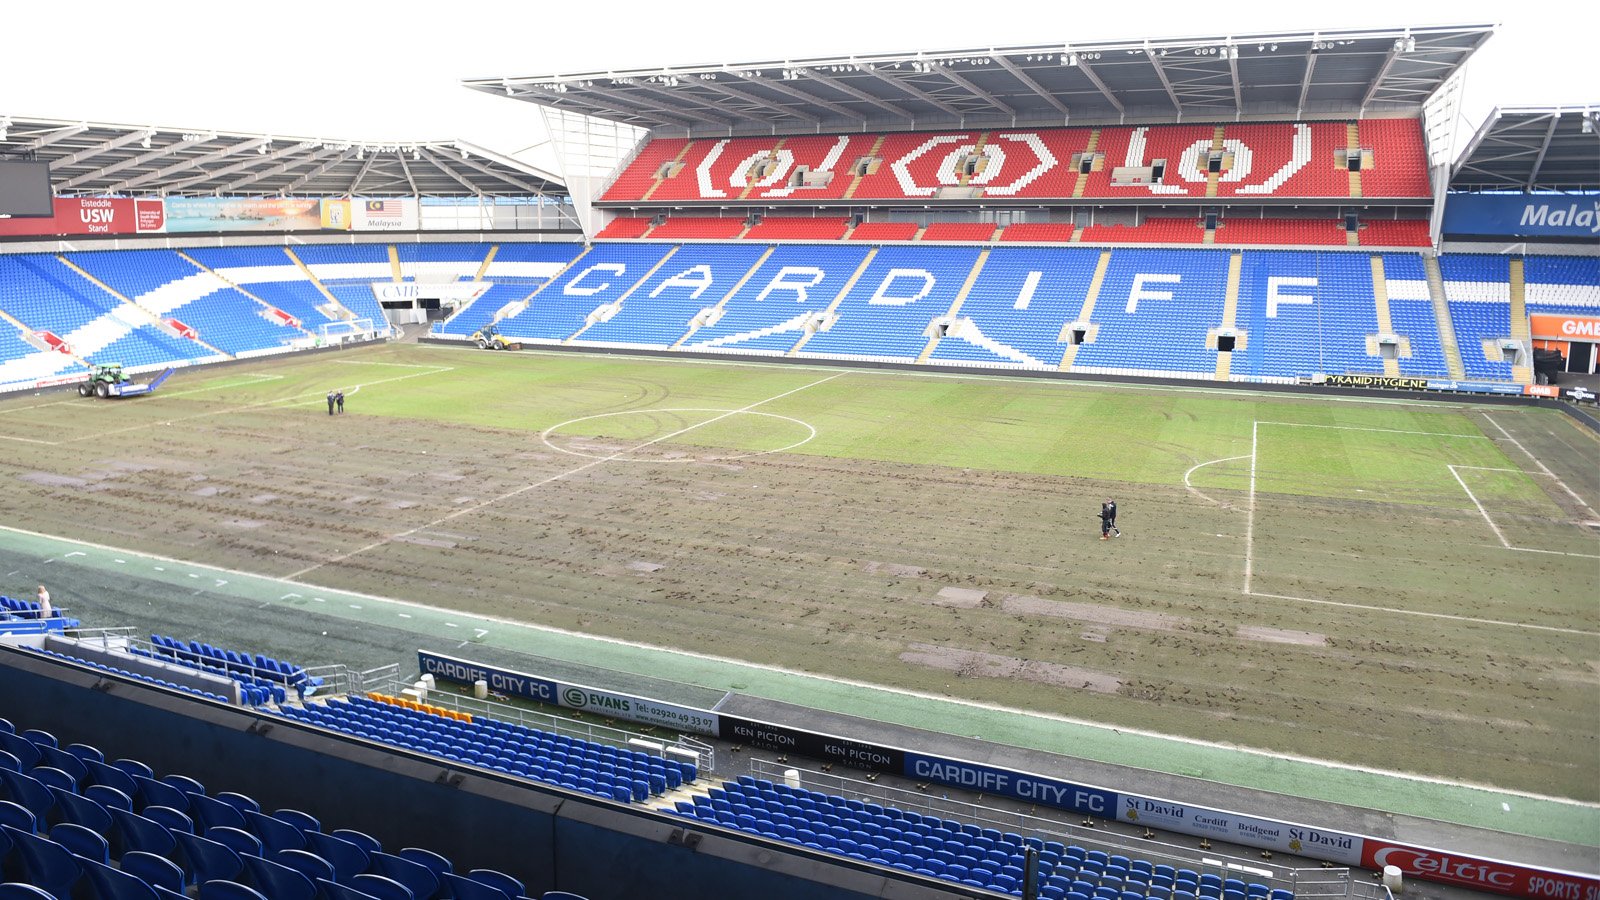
[
  {"x": 976, "y": 664},
  {"x": 1281, "y": 636}
]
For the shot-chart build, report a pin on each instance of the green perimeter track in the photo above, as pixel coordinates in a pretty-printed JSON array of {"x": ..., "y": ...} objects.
[{"x": 444, "y": 630}]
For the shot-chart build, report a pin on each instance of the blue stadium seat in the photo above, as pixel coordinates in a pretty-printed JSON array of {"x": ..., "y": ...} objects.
[
  {"x": 114, "y": 884},
  {"x": 277, "y": 881},
  {"x": 45, "y": 863},
  {"x": 207, "y": 860},
  {"x": 157, "y": 871}
]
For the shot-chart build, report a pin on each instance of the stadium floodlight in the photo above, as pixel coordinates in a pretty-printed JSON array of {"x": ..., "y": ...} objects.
[{"x": 145, "y": 141}]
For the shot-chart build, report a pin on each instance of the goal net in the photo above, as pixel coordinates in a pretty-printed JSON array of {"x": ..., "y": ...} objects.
[{"x": 349, "y": 330}]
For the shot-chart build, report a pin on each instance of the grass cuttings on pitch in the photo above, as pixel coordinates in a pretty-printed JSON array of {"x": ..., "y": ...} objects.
[{"x": 936, "y": 534}]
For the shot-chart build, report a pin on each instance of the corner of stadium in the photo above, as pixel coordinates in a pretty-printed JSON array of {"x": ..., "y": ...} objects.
[{"x": 722, "y": 511}]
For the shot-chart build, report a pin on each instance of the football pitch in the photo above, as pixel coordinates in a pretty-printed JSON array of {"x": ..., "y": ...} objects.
[{"x": 1400, "y": 586}]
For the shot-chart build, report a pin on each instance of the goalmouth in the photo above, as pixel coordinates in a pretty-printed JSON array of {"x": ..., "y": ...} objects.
[{"x": 346, "y": 331}]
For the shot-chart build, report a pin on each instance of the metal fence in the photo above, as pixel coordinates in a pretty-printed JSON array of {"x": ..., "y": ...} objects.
[{"x": 1305, "y": 882}]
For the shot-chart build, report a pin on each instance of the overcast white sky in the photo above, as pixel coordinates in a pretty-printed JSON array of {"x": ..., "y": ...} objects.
[{"x": 388, "y": 71}]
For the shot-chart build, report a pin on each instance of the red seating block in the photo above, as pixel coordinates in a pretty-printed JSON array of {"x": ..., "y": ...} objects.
[
  {"x": 885, "y": 231},
  {"x": 624, "y": 227},
  {"x": 794, "y": 228},
  {"x": 698, "y": 227},
  {"x": 966, "y": 232},
  {"x": 1391, "y": 233},
  {"x": 1039, "y": 232},
  {"x": 1291, "y": 232},
  {"x": 1151, "y": 231}
]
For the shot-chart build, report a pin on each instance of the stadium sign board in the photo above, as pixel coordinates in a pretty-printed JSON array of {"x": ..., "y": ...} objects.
[
  {"x": 1376, "y": 381},
  {"x": 90, "y": 215},
  {"x": 1522, "y": 215},
  {"x": 572, "y": 696},
  {"x": 1184, "y": 818},
  {"x": 1479, "y": 873},
  {"x": 1091, "y": 801}
]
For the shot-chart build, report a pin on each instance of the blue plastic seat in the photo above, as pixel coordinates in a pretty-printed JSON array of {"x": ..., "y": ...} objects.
[
  {"x": 236, "y": 839},
  {"x": 220, "y": 889},
  {"x": 110, "y": 776},
  {"x": 82, "y": 842},
  {"x": 462, "y": 888},
  {"x": 210, "y": 812},
  {"x": 347, "y": 859},
  {"x": 156, "y": 792},
  {"x": 156, "y": 871},
  {"x": 361, "y": 839},
  {"x": 207, "y": 860},
  {"x": 332, "y": 890},
  {"x": 275, "y": 834},
  {"x": 108, "y": 797},
  {"x": 418, "y": 878},
  {"x": 112, "y": 884},
  {"x": 278, "y": 881},
  {"x": 301, "y": 820},
  {"x": 382, "y": 887},
  {"x": 26, "y": 791},
  {"x": 306, "y": 863},
  {"x": 140, "y": 833},
  {"x": 19, "y": 891},
  {"x": 81, "y": 811},
  {"x": 45, "y": 863},
  {"x": 169, "y": 818},
  {"x": 17, "y": 816}
]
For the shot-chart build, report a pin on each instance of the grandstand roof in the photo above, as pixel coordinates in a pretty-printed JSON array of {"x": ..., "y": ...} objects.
[
  {"x": 1533, "y": 148},
  {"x": 97, "y": 158},
  {"x": 1279, "y": 75}
]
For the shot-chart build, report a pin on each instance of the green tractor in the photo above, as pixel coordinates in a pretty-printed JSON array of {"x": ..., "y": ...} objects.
[
  {"x": 488, "y": 338},
  {"x": 108, "y": 380}
]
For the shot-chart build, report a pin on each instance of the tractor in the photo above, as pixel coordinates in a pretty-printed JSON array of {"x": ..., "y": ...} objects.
[
  {"x": 488, "y": 338},
  {"x": 108, "y": 380}
]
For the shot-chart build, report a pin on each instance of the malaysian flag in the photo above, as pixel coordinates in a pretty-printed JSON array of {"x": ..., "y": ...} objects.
[{"x": 383, "y": 209}]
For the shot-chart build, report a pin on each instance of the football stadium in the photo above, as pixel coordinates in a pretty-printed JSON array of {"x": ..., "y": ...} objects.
[{"x": 1153, "y": 469}]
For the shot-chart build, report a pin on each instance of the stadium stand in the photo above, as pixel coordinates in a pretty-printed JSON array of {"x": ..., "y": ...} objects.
[
  {"x": 1154, "y": 230},
  {"x": 768, "y": 313},
  {"x": 1013, "y": 315},
  {"x": 604, "y": 274},
  {"x": 1283, "y": 159},
  {"x": 884, "y": 316},
  {"x": 1154, "y": 310},
  {"x": 959, "y": 232},
  {"x": 1281, "y": 232},
  {"x": 1038, "y": 233},
  {"x": 624, "y": 227},
  {"x": 698, "y": 228},
  {"x": 119, "y": 833},
  {"x": 1478, "y": 290},
  {"x": 885, "y": 231},
  {"x": 657, "y": 312},
  {"x": 799, "y": 228}
]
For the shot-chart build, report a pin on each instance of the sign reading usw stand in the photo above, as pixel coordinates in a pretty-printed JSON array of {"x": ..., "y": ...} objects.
[{"x": 572, "y": 696}]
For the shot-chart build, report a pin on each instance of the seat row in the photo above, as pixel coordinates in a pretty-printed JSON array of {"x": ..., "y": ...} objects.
[
  {"x": 954, "y": 851},
  {"x": 114, "y": 831},
  {"x": 614, "y": 773},
  {"x": 127, "y": 673},
  {"x": 244, "y": 663}
]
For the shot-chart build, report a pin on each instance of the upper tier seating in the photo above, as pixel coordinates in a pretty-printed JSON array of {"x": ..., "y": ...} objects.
[
  {"x": 961, "y": 232},
  {"x": 1039, "y": 232},
  {"x": 1283, "y": 232},
  {"x": 1282, "y": 159},
  {"x": 76, "y": 822},
  {"x": 1395, "y": 233}
]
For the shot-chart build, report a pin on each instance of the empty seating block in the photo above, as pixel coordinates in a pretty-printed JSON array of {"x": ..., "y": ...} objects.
[
  {"x": 1153, "y": 312},
  {"x": 963, "y": 232},
  {"x": 768, "y": 314},
  {"x": 1016, "y": 309},
  {"x": 796, "y": 228},
  {"x": 1305, "y": 313},
  {"x": 1395, "y": 233},
  {"x": 1478, "y": 289},
  {"x": 624, "y": 227},
  {"x": 886, "y": 314},
  {"x": 1283, "y": 232},
  {"x": 659, "y": 310},
  {"x": 1039, "y": 232},
  {"x": 1154, "y": 230},
  {"x": 601, "y": 276},
  {"x": 884, "y": 231}
]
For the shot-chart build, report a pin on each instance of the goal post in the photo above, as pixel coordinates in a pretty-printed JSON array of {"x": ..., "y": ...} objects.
[{"x": 345, "y": 330}]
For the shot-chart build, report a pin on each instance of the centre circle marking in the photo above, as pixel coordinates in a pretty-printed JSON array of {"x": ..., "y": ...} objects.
[{"x": 624, "y": 456}]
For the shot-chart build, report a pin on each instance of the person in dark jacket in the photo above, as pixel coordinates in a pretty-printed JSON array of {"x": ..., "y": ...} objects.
[
  {"x": 330, "y": 403},
  {"x": 1112, "y": 506},
  {"x": 339, "y": 398}
]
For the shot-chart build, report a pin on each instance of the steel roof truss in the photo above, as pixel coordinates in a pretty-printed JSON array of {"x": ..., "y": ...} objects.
[
  {"x": 1028, "y": 81},
  {"x": 859, "y": 94},
  {"x": 189, "y": 163}
]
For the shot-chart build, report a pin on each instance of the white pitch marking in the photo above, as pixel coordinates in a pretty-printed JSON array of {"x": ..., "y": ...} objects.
[
  {"x": 556, "y": 477},
  {"x": 451, "y": 625},
  {"x": 1481, "y": 511},
  {"x": 1542, "y": 467},
  {"x": 1431, "y": 615},
  {"x": 479, "y": 632},
  {"x": 121, "y": 562},
  {"x": 318, "y": 600},
  {"x": 1448, "y": 434},
  {"x": 354, "y": 606},
  {"x": 160, "y": 569},
  {"x": 220, "y": 582},
  {"x": 74, "y": 553},
  {"x": 288, "y": 596},
  {"x": 1196, "y": 491},
  {"x": 405, "y": 615},
  {"x": 193, "y": 575},
  {"x": 1250, "y": 512}
]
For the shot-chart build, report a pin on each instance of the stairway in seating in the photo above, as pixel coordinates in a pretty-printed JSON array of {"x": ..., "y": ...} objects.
[
  {"x": 347, "y": 312},
  {"x": 682, "y": 152},
  {"x": 394, "y": 264},
  {"x": 1230, "y": 313},
  {"x": 955, "y": 305},
  {"x": 1087, "y": 311},
  {"x": 1213, "y": 177},
  {"x": 1441, "y": 313},
  {"x": 1352, "y": 144},
  {"x": 749, "y": 176},
  {"x": 1082, "y": 179},
  {"x": 855, "y": 180},
  {"x": 693, "y": 326},
  {"x": 1519, "y": 321},
  {"x": 1380, "y": 300},
  {"x": 855, "y": 276},
  {"x": 487, "y": 261}
]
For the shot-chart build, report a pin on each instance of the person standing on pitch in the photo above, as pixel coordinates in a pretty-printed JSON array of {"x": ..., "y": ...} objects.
[
  {"x": 330, "y": 403},
  {"x": 339, "y": 399},
  {"x": 1111, "y": 506},
  {"x": 1107, "y": 515}
]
